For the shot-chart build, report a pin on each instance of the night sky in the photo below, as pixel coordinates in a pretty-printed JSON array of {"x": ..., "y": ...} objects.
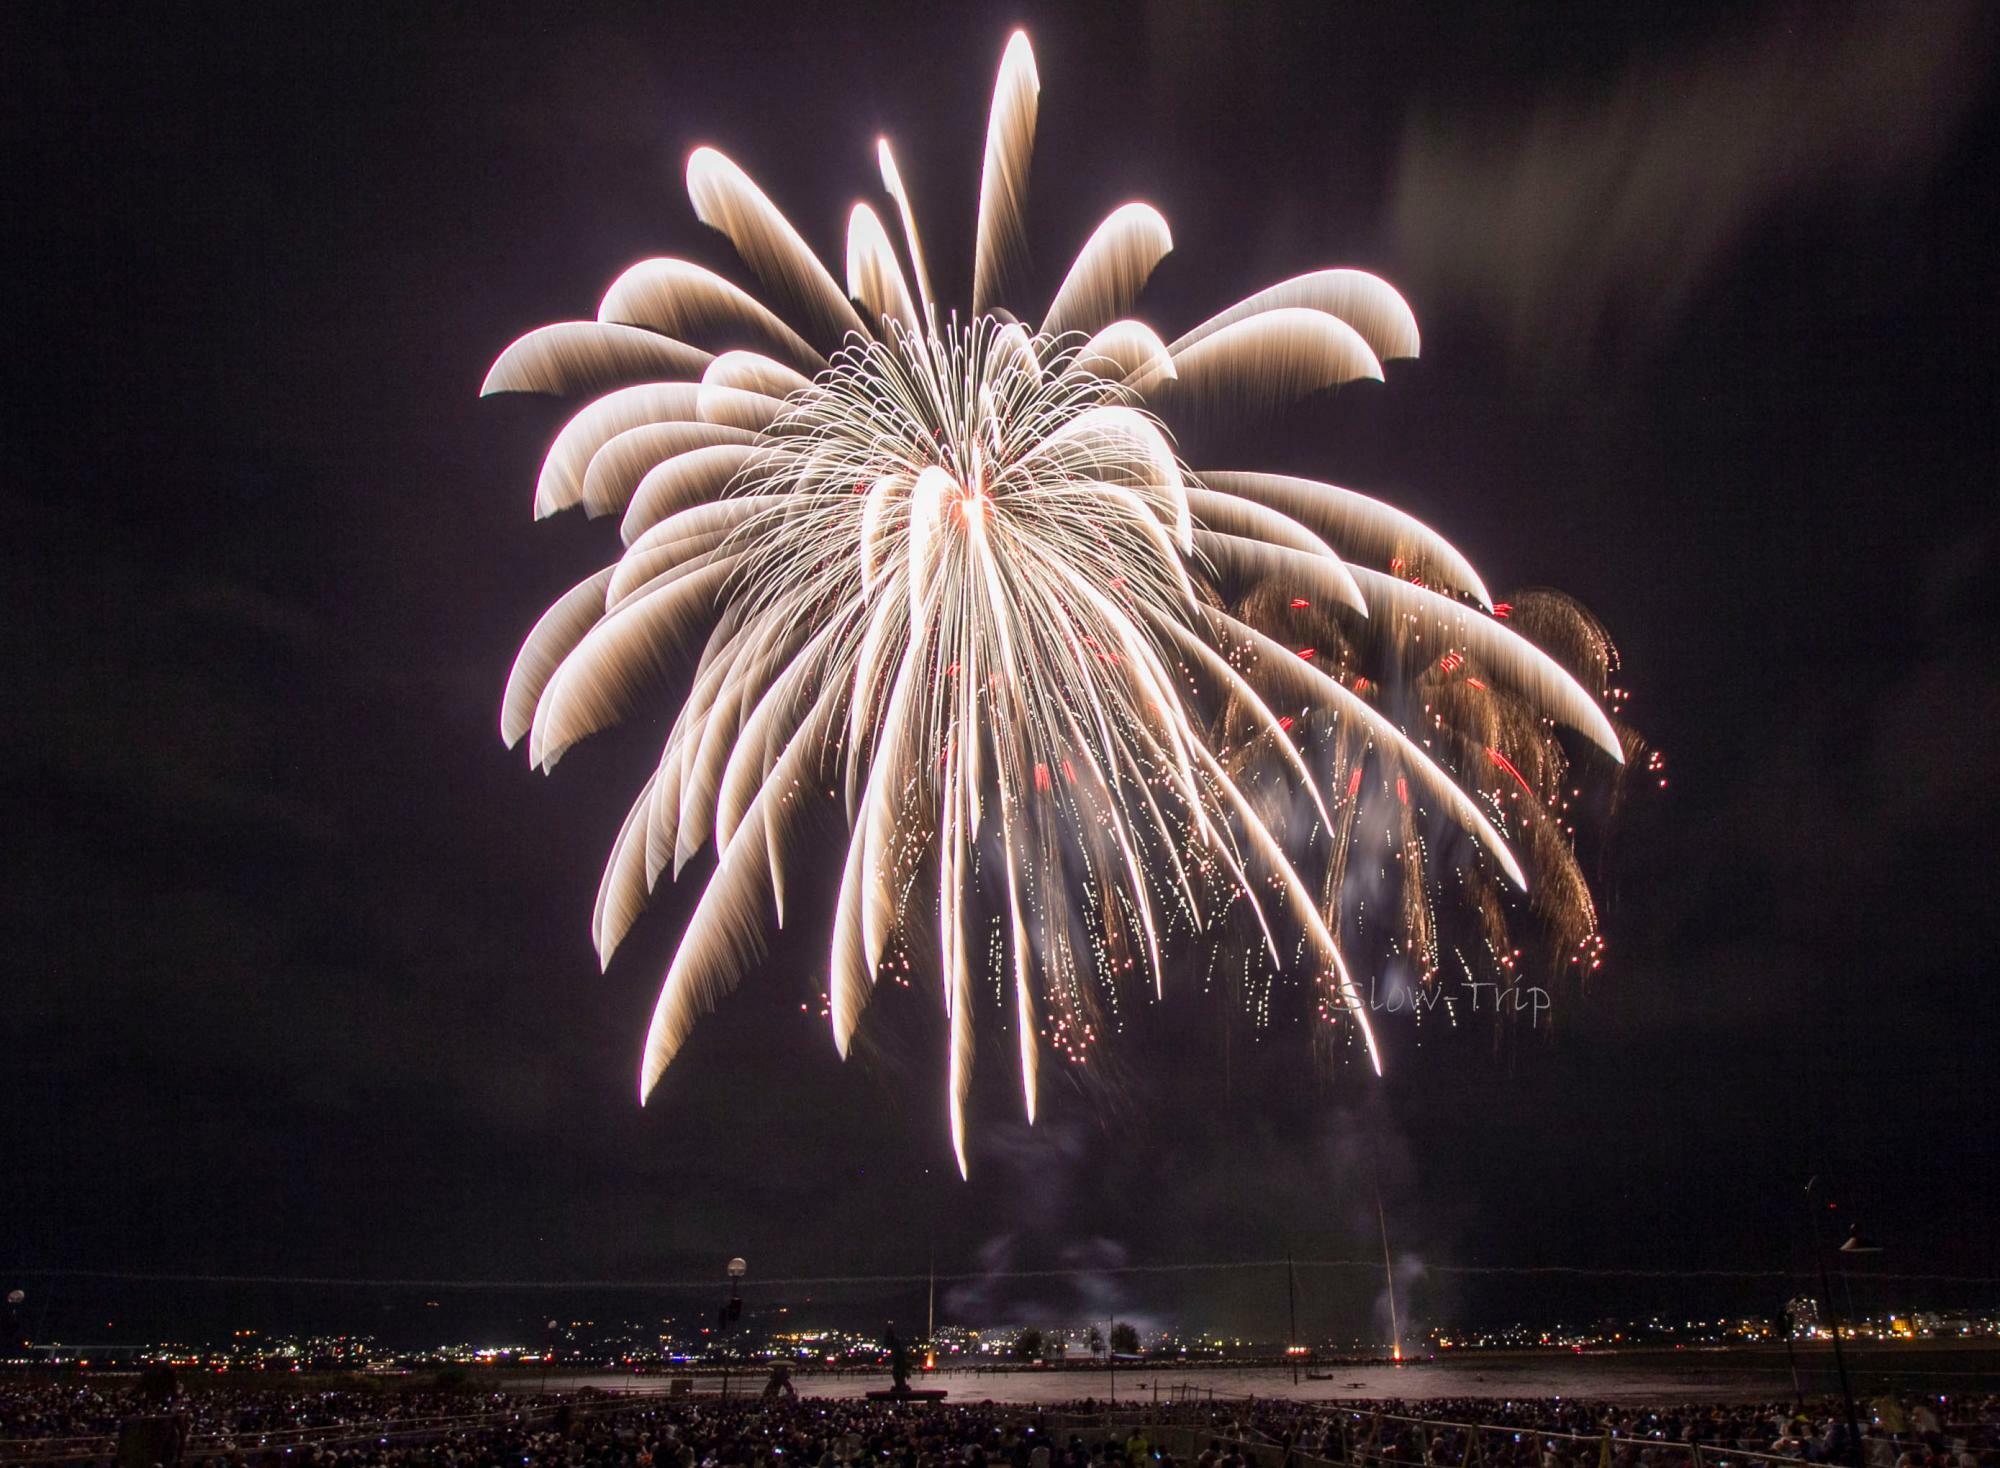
[{"x": 298, "y": 970}]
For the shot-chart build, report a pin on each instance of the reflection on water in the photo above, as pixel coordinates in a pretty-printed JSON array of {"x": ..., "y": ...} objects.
[{"x": 1629, "y": 1376}]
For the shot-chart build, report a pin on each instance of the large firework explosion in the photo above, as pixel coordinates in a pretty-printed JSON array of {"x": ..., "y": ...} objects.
[{"x": 942, "y": 579}]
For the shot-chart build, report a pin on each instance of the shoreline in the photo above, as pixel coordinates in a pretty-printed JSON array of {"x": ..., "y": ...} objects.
[{"x": 1715, "y": 1373}]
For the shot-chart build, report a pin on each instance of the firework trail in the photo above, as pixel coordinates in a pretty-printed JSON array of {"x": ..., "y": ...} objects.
[{"x": 945, "y": 579}]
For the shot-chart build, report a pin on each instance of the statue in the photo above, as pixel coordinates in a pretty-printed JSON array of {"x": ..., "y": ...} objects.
[
  {"x": 899, "y": 1363},
  {"x": 899, "y": 1374}
]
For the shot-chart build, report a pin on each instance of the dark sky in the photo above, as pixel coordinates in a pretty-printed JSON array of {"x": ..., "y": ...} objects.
[{"x": 298, "y": 971}]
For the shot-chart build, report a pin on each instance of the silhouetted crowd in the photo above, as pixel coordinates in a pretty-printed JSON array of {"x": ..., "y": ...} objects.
[
  {"x": 83, "y": 1411},
  {"x": 1558, "y": 1432},
  {"x": 259, "y": 1428}
]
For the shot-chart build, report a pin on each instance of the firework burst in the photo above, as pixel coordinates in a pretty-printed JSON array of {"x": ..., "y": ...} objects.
[{"x": 944, "y": 579}]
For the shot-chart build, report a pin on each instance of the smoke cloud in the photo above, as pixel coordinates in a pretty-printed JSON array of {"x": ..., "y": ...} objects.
[{"x": 1584, "y": 229}]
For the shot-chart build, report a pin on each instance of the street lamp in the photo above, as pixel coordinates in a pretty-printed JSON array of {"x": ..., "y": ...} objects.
[
  {"x": 1855, "y": 1244},
  {"x": 730, "y": 1313}
]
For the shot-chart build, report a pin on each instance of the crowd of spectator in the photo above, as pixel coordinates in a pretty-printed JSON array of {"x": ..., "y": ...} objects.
[
  {"x": 1558, "y": 1432},
  {"x": 226, "y": 1427},
  {"x": 82, "y": 1412}
]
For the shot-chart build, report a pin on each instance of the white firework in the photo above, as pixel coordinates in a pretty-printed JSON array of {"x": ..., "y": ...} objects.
[{"x": 944, "y": 581}]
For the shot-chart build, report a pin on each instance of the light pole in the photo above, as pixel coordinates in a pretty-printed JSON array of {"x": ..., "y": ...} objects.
[
  {"x": 730, "y": 1314},
  {"x": 1850, "y": 1247},
  {"x": 1855, "y": 1245},
  {"x": 1792, "y": 1360}
]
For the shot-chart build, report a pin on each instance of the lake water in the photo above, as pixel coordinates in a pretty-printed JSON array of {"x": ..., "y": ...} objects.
[{"x": 1626, "y": 1376}]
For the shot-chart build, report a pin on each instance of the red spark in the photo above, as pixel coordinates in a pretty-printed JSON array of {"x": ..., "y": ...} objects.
[
  {"x": 1299, "y": 604},
  {"x": 1307, "y": 653},
  {"x": 1402, "y": 790},
  {"x": 1508, "y": 765}
]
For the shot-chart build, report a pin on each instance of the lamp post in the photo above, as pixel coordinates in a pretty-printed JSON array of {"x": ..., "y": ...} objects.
[
  {"x": 1791, "y": 1359},
  {"x": 730, "y": 1314},
  {"x": 1851, "y": 1247},
  {"x": 1855, "y": 1245}
]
